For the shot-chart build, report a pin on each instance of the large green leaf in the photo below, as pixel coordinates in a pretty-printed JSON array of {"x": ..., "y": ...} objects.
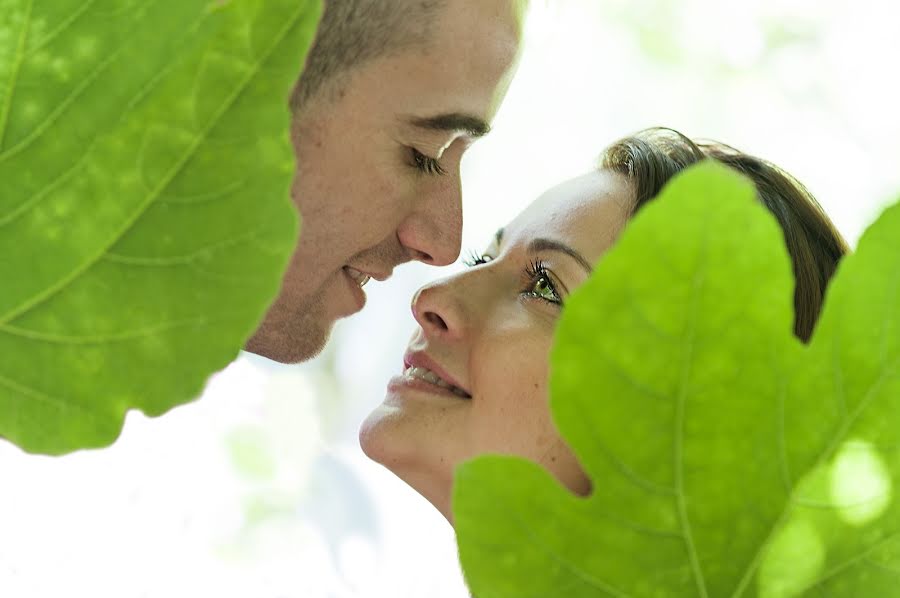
[
  {"x": 727, "y": 458},
  {"x": 145, "y": 216}
]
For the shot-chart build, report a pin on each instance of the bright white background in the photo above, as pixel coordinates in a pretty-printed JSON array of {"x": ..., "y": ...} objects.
[{"x": 259, "y": 489}]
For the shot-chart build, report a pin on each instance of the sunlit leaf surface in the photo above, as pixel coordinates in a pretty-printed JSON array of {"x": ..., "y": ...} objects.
[
  {"x": 145, "y": 217},
  {"x": 727, "y": 458}
]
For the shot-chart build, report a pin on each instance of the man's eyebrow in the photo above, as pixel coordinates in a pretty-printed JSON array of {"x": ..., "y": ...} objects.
[
  {"x": 453, "y": 122},
  {"x": 550, "y": 245}
]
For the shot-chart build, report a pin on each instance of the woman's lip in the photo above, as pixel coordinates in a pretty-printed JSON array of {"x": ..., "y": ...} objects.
[
  {"x": 422, "y": 360},
  {"x": 403, "y": 382}
]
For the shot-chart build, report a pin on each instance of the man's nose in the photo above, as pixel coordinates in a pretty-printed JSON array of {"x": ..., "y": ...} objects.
[{"x": 433, "y": 233}]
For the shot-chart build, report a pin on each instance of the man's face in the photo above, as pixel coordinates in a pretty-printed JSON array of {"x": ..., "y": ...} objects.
[{"x": 377, "y": 180}]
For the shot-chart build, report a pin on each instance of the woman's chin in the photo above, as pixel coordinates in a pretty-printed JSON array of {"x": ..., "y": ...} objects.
[
  {"x": 383, "y": 439},
  {"x": 395, "y": 437},
  {"x": 372, "y": 435}
]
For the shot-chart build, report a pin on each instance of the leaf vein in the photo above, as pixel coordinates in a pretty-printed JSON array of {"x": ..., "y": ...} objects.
[
  {"x": 45, "y": 398},
  {"x": 180, "y": 260},
  {"x": 16, "y": 67},
  {"x": 86, "y": 6},
  {"x": 62, "y": 339},
  {"x": 583, "y": 575},
  {"x": 698, "y": 281},
  {"x": 862, "y": 557},
  {"x": 38, "y": 197}
]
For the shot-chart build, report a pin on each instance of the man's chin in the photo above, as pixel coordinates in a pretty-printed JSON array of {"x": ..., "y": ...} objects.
[{"x": 290, "y": 343}]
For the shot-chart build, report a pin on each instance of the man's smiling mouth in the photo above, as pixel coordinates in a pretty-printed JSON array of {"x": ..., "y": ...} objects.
[{"x": 357, "y": 276}]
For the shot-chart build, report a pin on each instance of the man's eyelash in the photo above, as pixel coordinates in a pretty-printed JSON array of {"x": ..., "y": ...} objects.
[{"x": 427, "y": 164}]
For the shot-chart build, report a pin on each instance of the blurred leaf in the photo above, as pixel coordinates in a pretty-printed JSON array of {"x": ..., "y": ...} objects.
[
  {"x": 727, "y": 458},
  {"x": 145, "y": 216},
  {"x": 250, "y": 454}
]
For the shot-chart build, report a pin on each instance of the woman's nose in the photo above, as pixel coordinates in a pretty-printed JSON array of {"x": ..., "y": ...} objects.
[{"x": 437, "y": 311}]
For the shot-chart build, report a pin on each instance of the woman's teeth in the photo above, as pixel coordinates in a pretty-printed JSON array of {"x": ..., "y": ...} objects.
[
  {"x": 357, "y": 276},
  {"x": 429, "y": 376}
]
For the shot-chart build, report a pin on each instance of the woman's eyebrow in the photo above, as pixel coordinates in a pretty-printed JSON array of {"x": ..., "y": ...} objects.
[{"x": 550, "y": 245}]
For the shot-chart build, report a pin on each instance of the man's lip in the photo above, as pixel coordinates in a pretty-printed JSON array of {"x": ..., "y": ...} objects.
[
  {"x": 422, "y": 360},
  {"x": 379, "y": 276},
  {"x": 359, "y": 295}
]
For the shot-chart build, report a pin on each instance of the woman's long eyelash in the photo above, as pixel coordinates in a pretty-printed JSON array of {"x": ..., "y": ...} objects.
[
  {"x": 536, "y": 271},
  {"x": 427, "y": 164},
  {"x": 473, "y": 258}
]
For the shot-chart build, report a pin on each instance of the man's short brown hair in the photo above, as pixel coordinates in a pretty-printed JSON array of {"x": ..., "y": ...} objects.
[{"x": 353, "y": 32}]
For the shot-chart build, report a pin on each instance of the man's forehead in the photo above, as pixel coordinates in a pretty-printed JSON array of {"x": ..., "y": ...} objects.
[{"x": 480, "y": 42}]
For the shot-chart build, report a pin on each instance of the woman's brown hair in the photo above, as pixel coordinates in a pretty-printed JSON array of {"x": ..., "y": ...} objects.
[{"x": 650, "y": 158}]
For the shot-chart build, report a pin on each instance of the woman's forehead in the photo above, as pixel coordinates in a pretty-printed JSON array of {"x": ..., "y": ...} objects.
[{"x": 588, "y": 211}]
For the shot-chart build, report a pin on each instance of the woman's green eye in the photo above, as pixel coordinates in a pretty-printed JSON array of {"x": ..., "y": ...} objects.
[
  {"x": 539, "y": 284},
  {"x": 544, "y": 289}
]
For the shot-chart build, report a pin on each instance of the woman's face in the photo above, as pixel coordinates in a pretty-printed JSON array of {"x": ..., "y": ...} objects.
[{"x": 487, "y": 333}]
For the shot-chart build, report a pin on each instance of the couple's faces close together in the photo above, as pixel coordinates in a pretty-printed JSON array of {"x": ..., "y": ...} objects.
[
  {"x": 377, "y": 173},
  {"x": 378, "y": 184},
  {"x": 474, "y": 379}
]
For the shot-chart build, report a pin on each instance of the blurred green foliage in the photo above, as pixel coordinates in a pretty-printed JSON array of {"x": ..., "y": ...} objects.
[{"x": 669, "y": 33}]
